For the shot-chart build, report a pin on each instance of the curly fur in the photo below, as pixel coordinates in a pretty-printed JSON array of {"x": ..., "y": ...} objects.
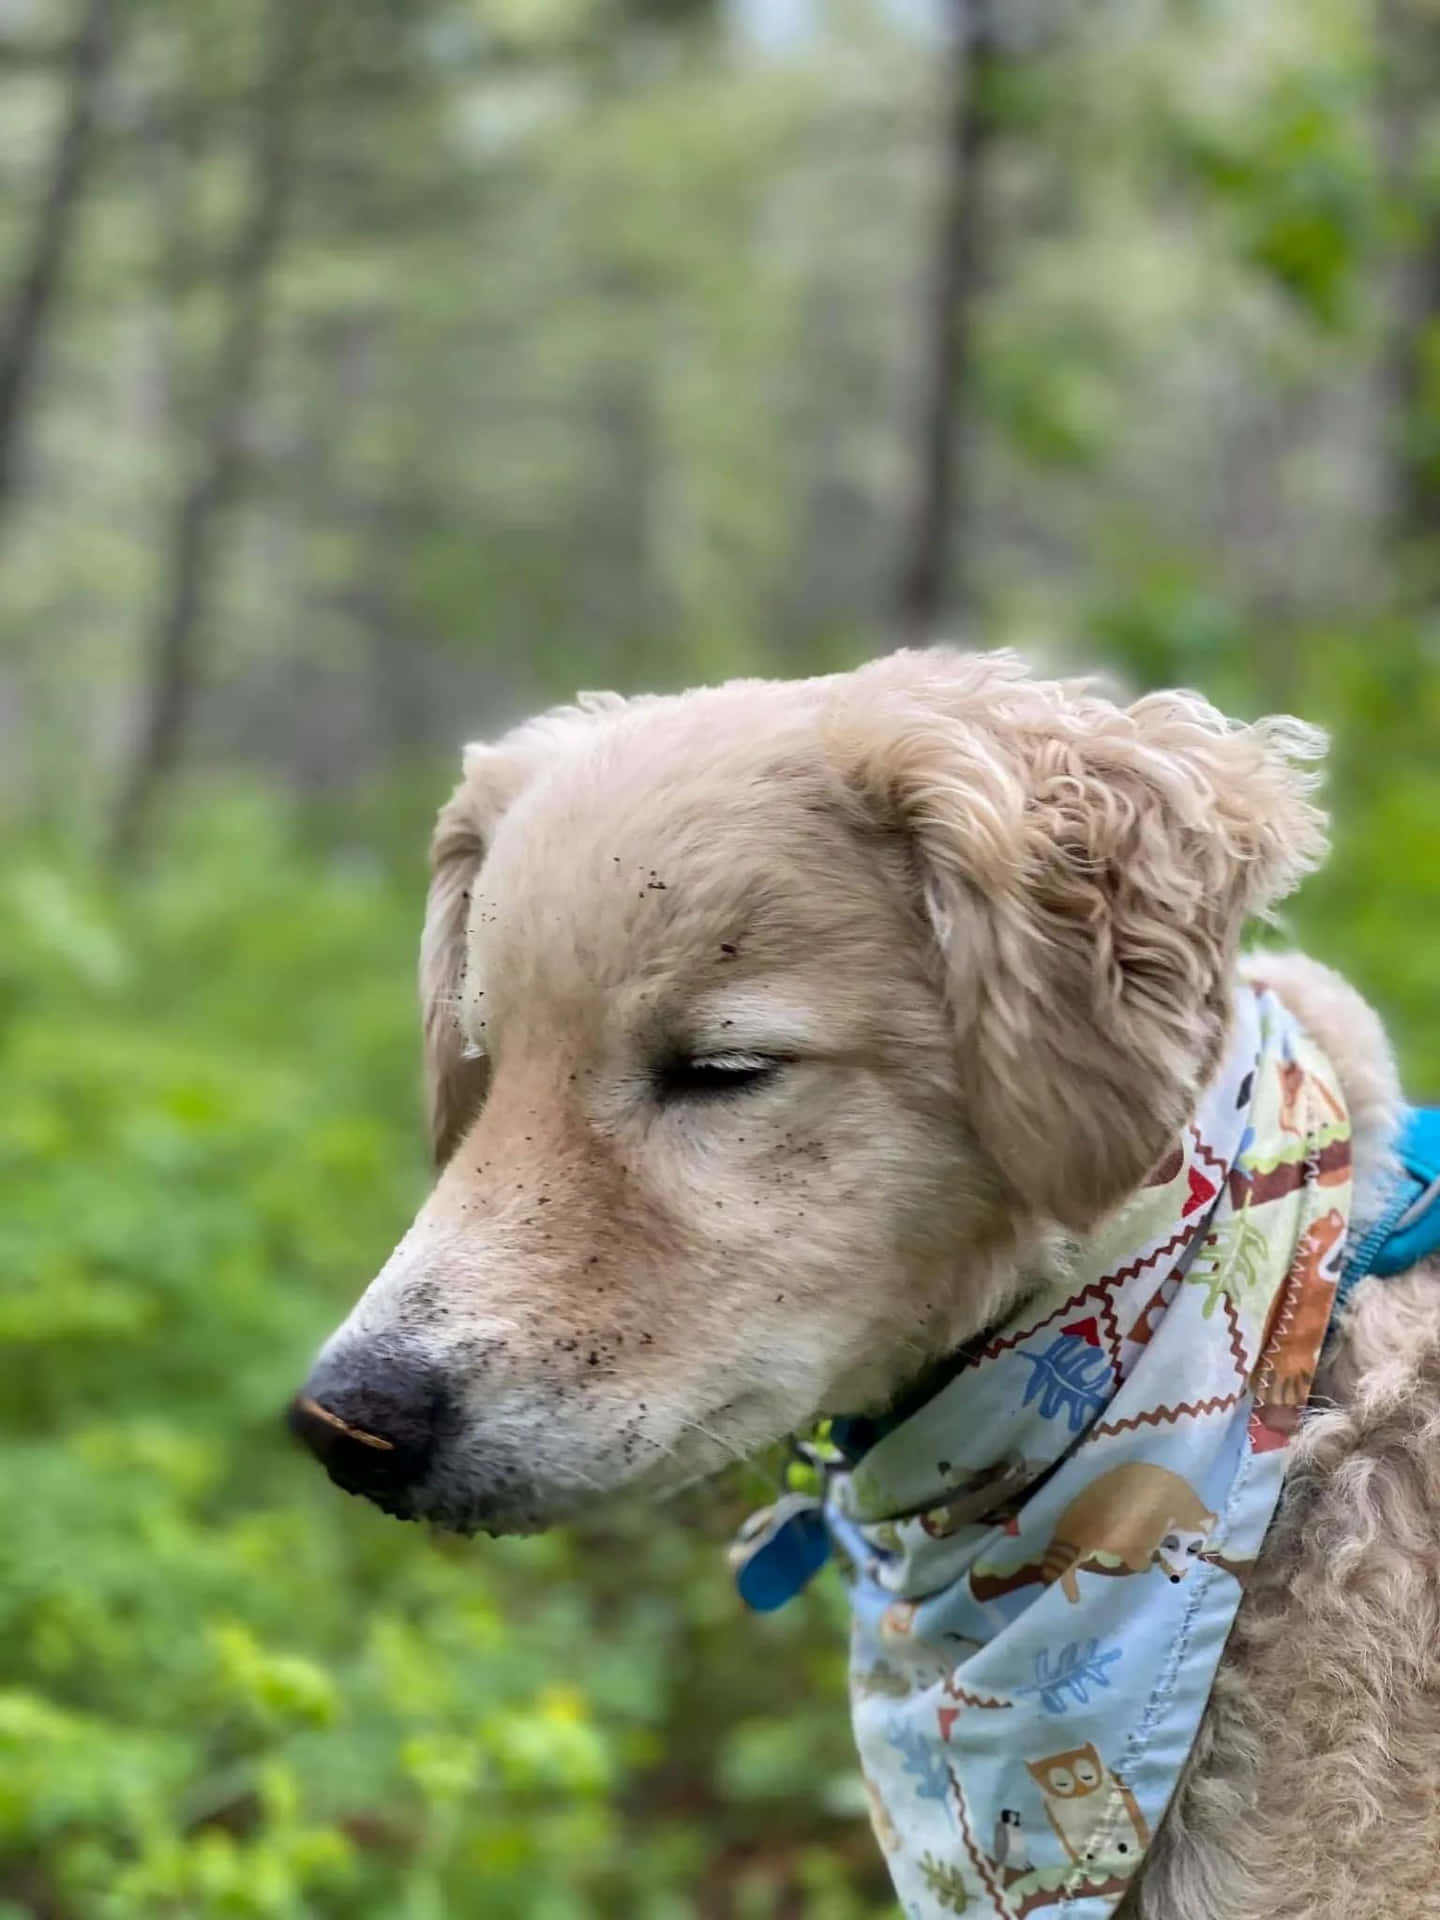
[
  {"x": 1311, "y": 1794},
  {"x": 988, "y": 926},
  {"x": 1088, "y": 869}
]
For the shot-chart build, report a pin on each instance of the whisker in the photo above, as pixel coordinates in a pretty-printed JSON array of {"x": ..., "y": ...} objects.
[{"x": 726, "y": 1446}]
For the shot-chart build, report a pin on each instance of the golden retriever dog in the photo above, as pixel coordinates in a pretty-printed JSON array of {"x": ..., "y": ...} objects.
[{"x": 778, "y": 1036}]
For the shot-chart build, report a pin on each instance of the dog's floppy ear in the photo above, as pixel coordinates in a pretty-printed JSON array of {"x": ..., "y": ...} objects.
[
  {"x": 455, "y": 1079},
  {"x": 1085, "y": 870}
]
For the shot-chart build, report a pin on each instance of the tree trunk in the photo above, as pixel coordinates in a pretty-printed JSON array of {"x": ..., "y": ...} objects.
[
  {"x": 1410, "y": 72},
  {"x": 32, "y": 307},
  {"x": 937, "y": 565},
  {"x": 1413, "y": 405},
  {"x": 173, "y": 666}
]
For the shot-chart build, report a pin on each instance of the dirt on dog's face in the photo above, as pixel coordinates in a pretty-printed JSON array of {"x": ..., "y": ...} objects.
[
  {"x": 746, "y": 1016},
  {"x": 719, "y": 1164}
]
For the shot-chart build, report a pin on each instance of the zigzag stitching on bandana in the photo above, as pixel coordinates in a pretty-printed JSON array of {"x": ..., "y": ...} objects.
[
  {"x": 1114, "y": 1338},
  {"x": 977, "y": 1858},
  {"x": 1100, "y": 1291},
  {"x": 1208, "y": 1154},
  {"x": 1237, "y": 1345},
  {"x": 1286, "y": 1310},
  {"x": 1168, "y": 1416},
  {"x": 971, "y": 1699},
  {"x": 1096, "y": 1291},
  {"x": 1175, "y": 1244}
]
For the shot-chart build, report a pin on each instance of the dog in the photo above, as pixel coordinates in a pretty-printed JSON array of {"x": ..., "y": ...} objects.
[{"x": 777, "y": 1036}]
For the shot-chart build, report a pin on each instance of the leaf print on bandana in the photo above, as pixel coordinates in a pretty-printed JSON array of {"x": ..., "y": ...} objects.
[
  {"x": 1072, "y": 1676},
  {"x": 1232, "y": 1263},
  {"x": 946, "y": 1882},
  {"x": 1072, "y": 1376},
  {"x": 921, "y": 1760}
]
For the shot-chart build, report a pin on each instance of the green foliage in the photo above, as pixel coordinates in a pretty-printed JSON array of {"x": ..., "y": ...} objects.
[
  {"x": 1298, "y": 179},
  {"x": 590, "y": 362},
  {"x": 225, "y": 1689}
]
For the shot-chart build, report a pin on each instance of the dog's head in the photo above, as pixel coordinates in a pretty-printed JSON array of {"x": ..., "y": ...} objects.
[{"x": 771, "y": 1030}]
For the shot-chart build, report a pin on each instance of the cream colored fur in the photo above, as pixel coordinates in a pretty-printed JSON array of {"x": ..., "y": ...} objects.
[{"x": 987, "y": 926}]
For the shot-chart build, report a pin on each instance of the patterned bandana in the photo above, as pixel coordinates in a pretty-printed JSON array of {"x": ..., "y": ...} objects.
[{"x": 1049, "y": 1554}]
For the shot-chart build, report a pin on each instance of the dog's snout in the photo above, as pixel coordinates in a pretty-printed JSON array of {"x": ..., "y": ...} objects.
[{"x": 372, "y": 1422}]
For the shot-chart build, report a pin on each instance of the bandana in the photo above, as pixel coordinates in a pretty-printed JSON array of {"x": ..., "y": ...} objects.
[{"x": 1049, "y": 1554}]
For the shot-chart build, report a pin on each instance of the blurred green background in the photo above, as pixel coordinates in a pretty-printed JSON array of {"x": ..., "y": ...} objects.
[{"x": 375, "y": 371}]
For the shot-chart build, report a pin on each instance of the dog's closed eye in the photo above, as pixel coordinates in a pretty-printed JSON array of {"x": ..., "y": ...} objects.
[{"x": 711, "y": 1075}]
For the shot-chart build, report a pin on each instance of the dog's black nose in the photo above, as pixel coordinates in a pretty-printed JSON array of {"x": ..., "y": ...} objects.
[{"x": 372, "y": 1423}]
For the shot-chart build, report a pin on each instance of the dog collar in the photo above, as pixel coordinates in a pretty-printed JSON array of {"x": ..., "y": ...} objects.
[{"x": 1046, "y": 1554}]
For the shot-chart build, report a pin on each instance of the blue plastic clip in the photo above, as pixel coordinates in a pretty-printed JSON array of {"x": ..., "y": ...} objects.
[{"x": 779, "y": 1550}]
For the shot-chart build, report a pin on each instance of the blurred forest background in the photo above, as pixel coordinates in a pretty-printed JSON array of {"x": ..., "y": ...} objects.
[{"x": 372, "y": 371}]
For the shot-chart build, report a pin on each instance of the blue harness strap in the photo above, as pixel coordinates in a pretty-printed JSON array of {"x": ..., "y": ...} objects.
[{"x": 1408, "y": 1227}]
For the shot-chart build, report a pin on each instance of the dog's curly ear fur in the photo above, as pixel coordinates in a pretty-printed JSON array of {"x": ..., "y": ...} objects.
[{"x": 1086, "y": 869}]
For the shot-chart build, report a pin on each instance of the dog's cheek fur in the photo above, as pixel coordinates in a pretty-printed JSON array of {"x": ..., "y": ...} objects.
[
  {"x": 644, "y": 1312},
  {"x": 1087, "y": 869}
]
